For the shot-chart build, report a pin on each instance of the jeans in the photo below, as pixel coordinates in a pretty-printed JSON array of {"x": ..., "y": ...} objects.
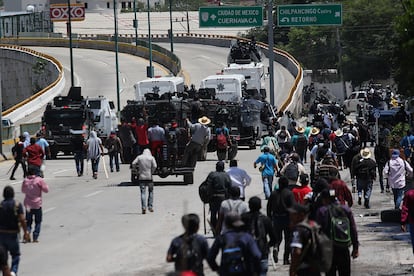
[
  {"x": 79, "y": 156},
  {"x": 341, "y": 262},
  {"x": 215, "y": 203},
  {"x": 364, "y": 185},
  {"x": 35, "y": 168},
  {"x": 37, "y": 214},
  {"x": 16, "y": 165},
  {"x": 95, "y": 164},
  {"x": 267, "y": 185},
  {"x": 380, "y": 167},
  {"x": 264, "y": 266},
  {"x": 10, "y": 242},
  {"x": 398, "y": 196},
  {"x": 282, "y": 228},
  {"x": 114, "y": 156},
  {"x": 143, "y": 186}
]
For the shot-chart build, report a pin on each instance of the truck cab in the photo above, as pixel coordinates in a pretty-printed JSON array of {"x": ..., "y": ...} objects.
[
  {"x": 253, "y": 73},
  {"x": 156, "y": 87}
]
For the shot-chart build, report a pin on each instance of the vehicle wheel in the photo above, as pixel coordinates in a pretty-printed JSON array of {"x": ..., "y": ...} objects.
[
  {"x": 189, "y": 178},
  {"x": 393, "y": 215},
  {"x": 53, "y": 154},
  {"x": 253, "y": 145}
]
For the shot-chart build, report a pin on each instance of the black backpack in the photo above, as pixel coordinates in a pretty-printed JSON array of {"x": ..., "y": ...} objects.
[
  {"x": 340, "y": 226},
  {"x": 301, "y": 142},
  {"x": 189, "y": 254},
  {"x": 232, "y": 257},
  {"x": 258, "y": 231},
  {"x": 282, "y": 134},
  {"x": 341, "y": 144},
  {"x": 204, "y": 191},
  {"x": 292, "y": 171}
]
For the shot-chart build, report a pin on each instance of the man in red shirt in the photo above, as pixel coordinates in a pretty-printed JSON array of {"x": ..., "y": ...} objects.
[
  {"x": 34, "y": 154},
  {"x": 141, "y": 131},
  {"x": 342, "y": 192},
  {"x": 299, "y": 192}
]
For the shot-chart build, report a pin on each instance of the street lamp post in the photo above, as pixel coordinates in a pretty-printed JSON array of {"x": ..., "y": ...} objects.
[
  {"x": 116, "y": 57},
  {"x": 171, "y": 29},
  {"x": 69, "y": 29},
  {"x": 135, "y": 23},
  {"x": 188, "y": 22},
  {"x": 150, "y": 69},
  {"x": 271, "y": 53}
]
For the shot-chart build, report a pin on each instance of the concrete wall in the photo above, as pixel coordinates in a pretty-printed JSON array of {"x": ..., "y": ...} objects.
[{"x": 23, "y": 75}]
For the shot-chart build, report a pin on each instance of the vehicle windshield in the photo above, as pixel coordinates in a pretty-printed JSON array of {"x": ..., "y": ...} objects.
[
  {"x": 250, "y": 112},
  {"x": 62, "y": 117}
]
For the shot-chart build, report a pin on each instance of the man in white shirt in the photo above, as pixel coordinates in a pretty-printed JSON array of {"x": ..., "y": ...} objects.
[{"x": 239, "y": 178}]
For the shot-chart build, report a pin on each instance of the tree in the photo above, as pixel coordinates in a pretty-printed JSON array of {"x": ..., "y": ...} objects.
[{"x": 404, "y": 52}]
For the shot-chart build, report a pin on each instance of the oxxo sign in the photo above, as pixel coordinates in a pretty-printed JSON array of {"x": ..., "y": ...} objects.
[
  {"x": 231, "y": 16},
  {"x": 59, "y": 12}
]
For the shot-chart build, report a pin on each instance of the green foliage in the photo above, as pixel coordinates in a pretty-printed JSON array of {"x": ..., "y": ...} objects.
[
  {"x": 404, "y": 53},
  {"x": 397, "y": 133}
]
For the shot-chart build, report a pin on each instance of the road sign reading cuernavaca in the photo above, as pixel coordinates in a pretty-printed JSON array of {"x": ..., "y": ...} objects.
[
  {"x": 309, "y": 15},
  {"x": 230, "y": 16}
]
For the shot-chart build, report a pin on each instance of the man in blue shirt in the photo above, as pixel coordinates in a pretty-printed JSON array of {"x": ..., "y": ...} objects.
[
  {"x": 268, "y": 167},
  {"x": 407, "y": 143}
]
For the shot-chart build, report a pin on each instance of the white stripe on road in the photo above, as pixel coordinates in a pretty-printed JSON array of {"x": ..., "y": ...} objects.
[
  {"x": 49, "y": 209},
  {"x": 61, "y": 171},
  {"x": 93, "y": 194}
]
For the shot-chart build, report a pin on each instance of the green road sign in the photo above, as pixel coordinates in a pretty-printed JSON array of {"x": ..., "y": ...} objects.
[
  {"x": 309, "y": 15},
  {"x": 230, "y": 16}
]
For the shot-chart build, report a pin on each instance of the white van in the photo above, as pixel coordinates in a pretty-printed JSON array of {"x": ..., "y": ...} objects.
[
  {"x": 253, "y": 72},
  {"x": 228, "y": 88},
  {"x": 158, "y": 86}
]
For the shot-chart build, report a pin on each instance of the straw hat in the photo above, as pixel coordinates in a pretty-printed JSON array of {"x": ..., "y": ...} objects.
[
  {"x": 315, "y": 131},
  {"x": 365, "y": 153},
  {"x": 300, "y": 129},
  {"x": 339, "y": 132},
  {"x": 204, "y": 120}
]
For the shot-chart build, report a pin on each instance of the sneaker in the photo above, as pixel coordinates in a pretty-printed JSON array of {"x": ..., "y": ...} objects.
[
  {"x": 12, "y": 178},
  {"x": 36, "y": 241},
  {"x": 382, "y": 191},
  {"x": 366, "y": 204},
  {"x": 359, "y": 201},
  {"x": 151, "y": 210},
  {"x": 143, "y": 211}
]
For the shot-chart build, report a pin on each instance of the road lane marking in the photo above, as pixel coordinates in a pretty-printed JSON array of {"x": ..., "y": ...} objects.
[
  {"x": 61, "y": 171},
  {"x": 93, "y": 194},
  {"x": 48, "y": 210}
]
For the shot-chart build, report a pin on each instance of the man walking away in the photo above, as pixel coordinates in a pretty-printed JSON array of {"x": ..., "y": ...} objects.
[
  {"x": 11, "y": 216},
  {"x": 219, "y": 184},
  {"x": 114, "y": 146},
  {"x": 188, "y": 250},
  {"x": 200, "y": 134},
  {"x": 396, "y": 170},
  {"x": 46, "y": 150},
  {"x": 78, "y": 145},
  {"x": 364, "y": 169},
  {"x": 146, "y": 165},
  {"x": 17, "y": 151},
  {"x": 232, "y": 205},
  {"x": 337, "y": 221},
  {"x": 34, "y": 154},
  {"x": 33, "y": 187},
  {"x": 279, "y": 201},
  {"x": 239, "y": 178},
  {"x": 240, "y": 254},
  {"x": 268, "y": 166},
  {"x": 94, "y": 152},
  {"x": 261, "y": 228},
  {"x": 299, "y": 192},
  {"x": 382, "y": 155}
]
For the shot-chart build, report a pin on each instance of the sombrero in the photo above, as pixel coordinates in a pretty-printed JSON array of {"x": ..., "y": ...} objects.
[
  {"x": 315, "y": 131},
  {"x": 339, "y": 132},
  {"x": 365, "y": 153},
  {"x": 204, "y": 120},
  {"x": 300, "y": 129}
]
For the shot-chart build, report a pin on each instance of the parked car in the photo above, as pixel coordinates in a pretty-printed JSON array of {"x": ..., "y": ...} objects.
[{"x": 356, "y": 98}]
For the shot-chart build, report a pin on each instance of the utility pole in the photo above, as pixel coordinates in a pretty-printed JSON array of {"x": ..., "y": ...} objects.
[
  {"x": 116, "y": 58},
  {"x": 170, "y": 33},
  {"x": 188, "y": 21},
  {"x": 341, "y": 74},
  {"x": 271, "y": 53},
  {"x": 150, "y": 69},
  {"x": 69, "y": 30},
  {"x": 135, "y": 23}
]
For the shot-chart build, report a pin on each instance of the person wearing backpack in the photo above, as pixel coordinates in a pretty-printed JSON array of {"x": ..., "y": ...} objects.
[
  {"x": 364, "y": 170},
  {"x": 341, "y": 144},
  {"x": 282, "y": 136},
  {"x": 292, "y": 169},
  {"x": 11, "y": 219},
  {"x": 17, "y": 151},
  {"x": 232, "y": 205},
  {"x": 223, "y": 141},
  {"x": 261, "y": 228},
  {"x": 300, "y": 142},
  {"x": 279, "y": 201},
  {"x": 188, "y": 250},
  {"x": 219, "y": 184},
  {"x": 304, "y": 262},
  {"x": 337, "y": 222},
  {"x": 240, "y": 254}
]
